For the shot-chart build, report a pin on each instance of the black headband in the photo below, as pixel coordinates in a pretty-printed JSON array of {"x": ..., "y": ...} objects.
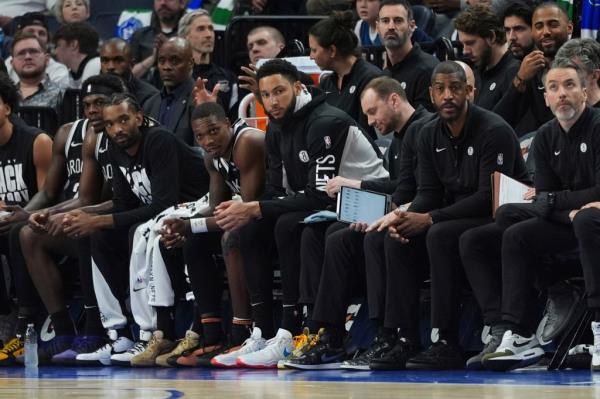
[{"x": 94, "y": 88}]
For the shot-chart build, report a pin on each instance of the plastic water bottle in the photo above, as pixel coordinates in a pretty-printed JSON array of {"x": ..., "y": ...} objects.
[{"x": 31, "y": 344}]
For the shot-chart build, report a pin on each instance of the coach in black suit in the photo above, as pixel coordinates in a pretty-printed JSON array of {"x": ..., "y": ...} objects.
[{"x": 173, "y": 106}]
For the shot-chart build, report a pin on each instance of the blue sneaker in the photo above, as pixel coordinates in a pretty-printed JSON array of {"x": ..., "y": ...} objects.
[
  {"x": 83, "y": 344},
  {"x": 58, "y": 344}
]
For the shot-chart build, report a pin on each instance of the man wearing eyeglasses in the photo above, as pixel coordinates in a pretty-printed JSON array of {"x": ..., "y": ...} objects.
[{"x": 30, "y": 61}]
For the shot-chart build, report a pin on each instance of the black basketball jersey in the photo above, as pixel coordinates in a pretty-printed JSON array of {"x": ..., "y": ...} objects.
[
  {"x": 101, "y": 155},
  {"x": 74, "y": 156},
  {"x": 18, "y": 179},
  {"x": 226, "y": 167}
]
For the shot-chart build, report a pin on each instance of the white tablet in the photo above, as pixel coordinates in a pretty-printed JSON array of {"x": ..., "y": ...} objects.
[{"x": 361, "y": 206}]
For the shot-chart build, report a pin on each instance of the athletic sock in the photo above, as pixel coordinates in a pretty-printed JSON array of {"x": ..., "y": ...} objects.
[
  {"x": 212, "y": 329},
  {"x": 93, "y": 324},
  {"x": 62, "y": 323},
  {"x": 165, "y": 321},
  {"x": 240, "y": 330},
  {"x": 262, "y": 314},
  {"x": 291, "y": 318}
]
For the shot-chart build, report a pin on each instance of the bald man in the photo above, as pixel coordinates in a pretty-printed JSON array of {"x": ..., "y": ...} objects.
[
  {"x": 470, "y": 79},
  {"x": 115, "y": 58},
  {"x": 174, "y": 104},
  {"x": 264, "y": 42}
]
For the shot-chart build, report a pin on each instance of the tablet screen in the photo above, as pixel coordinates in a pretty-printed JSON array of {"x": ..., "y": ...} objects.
[{"x": 355, "y": 205}]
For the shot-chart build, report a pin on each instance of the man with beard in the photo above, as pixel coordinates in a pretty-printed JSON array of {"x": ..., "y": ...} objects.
[
  {"x": 551, "y": 29},
  {"x": 153, "y": 170},
  {"x": 173, "y": 106},
  {"x": 502, "y": 260},
  {"x": 115, "y": 58},
  {"x": 484, "y": 44},
  {"x": 35, "y": 23},
  {"x": 44, "y": 238},
  {"x": 197, "y": 28},
  {"x": 585, "y": 53},
  {"x": 517, "y": 26},
  {"x": 29, "y": 61},
  {"x": 310, "y": 142},
  {"x": 146, "y": 41},
  {"x": 457, "y": 152},
  {"x": 405, "y": 62}
]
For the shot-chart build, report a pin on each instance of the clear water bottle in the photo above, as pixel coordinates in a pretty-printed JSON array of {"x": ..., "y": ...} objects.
[{"x": 31, "y": 344}]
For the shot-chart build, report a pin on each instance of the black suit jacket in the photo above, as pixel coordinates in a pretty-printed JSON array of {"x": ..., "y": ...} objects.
[{"x": 180, "y": 120}]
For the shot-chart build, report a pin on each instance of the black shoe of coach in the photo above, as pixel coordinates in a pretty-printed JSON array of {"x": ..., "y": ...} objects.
[
  {"x": 396, "y": 358},
  {"x": 439, "y": 356}
]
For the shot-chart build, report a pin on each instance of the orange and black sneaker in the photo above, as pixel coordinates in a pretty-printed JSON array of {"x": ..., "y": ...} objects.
[
  {"x": 13, "y": 349},
  {"x": 191, "y": 359}
]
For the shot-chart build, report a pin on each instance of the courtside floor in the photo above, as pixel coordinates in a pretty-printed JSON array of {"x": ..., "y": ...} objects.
[{"x": 113, "y": 383}]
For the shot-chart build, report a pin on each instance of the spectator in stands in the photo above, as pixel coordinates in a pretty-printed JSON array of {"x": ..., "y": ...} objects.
[
  {"x": 36, "y": 24},
  {"x": 146, "y": 41},
  {"x": 334, "y": 47},
  {"x": 29, "y": 61},
  {"x": 585, "y": 53},
  {"x": 502, "y": 260},
  {"x": 45, "y": 237},
  {"x": 484, "y": 44},
  {"x": 153, "y": 170},
  {"x": 264, "y": 42},
  {"x": 173, "y": 106},
  {"x": 115, "y": 58},
  {"x": 517, "y": 26},
  {"x": 69, "y": 11},
  {"x": 15, "y": 8},
  {"x": 435, "y": 219},
  {"x": 311, "y": 138},
  {"x": 366, "y": 26},
  {"x": 406, "y": 62},
  {"x": 551, "y": 29},
  {"x": 333, "y": 266},
  {"x": 77, "y": 48},
  {"x": 25, "y": 155},
  {"x": 197, "y": 28}
]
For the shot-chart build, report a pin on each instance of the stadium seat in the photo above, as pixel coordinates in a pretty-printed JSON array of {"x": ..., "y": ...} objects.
[
  {"x": 424, "y": 18},
  {"x": 44, "y": 118}
]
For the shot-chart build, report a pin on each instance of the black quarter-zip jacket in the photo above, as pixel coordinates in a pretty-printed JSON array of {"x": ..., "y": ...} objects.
[
  {"x": 309, "y": 147},
  {"x": 568, "y": 163},
  {"x": 455, "y": 173},
  {"x": 493, "y": 83}
]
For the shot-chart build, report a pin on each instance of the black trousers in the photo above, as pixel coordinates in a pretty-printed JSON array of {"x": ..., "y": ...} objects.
[
  {"x": 586, "y": 225},
  {"x": 206, "y": 275},
  {"x": 258, "y": 238},
  {"x": 525, "y": 241},
  {"x": 313, "y": 249},
  {"x": 342, "y": 275}
]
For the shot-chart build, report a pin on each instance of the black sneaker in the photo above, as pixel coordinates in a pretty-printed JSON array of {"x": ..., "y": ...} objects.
[
  {"x": 320, "y": 356},
  {"x": 396, "y": 358},
  {"x": 56, "y": 345},
  {"x": 439, "y": 356},
  {"x": 494, "y": 339},
  {"x": 562, "y": 302},
  {"x": 380, "y": 346}
]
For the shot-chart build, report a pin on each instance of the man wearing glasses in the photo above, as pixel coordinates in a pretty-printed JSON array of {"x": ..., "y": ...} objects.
[{"x": 30, "y": 61}]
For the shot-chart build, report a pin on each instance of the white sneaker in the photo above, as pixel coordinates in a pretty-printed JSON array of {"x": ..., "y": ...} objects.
[
  {"x": 124, "y": 358},
  {"x": 514, "y": 352},
  {"x": 595, "y": 350},
  {"x": 102, "y": 355},
  {"x": 276, "y": 349},
  {"x": 253, "y": 344}
]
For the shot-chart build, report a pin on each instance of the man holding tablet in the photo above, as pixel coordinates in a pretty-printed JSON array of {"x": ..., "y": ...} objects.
[{"x": 458, "y": 151}]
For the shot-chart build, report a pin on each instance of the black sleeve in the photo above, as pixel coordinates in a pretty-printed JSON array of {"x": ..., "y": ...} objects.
[
  {"x": 382, "y": 185},
  {"x": 430, "y": 193},
  {"x": 324, "y": 163},
  {"x": 514, "y": 105},
  {"x": 162, "y": 160},
  {"x": 123, "y": 198},
  {"x": 569, "y": 200},
  {"x": 421, "y": 93},
  {"x": 406, "y": 183},
  {"x": 274, "y": 177}
]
